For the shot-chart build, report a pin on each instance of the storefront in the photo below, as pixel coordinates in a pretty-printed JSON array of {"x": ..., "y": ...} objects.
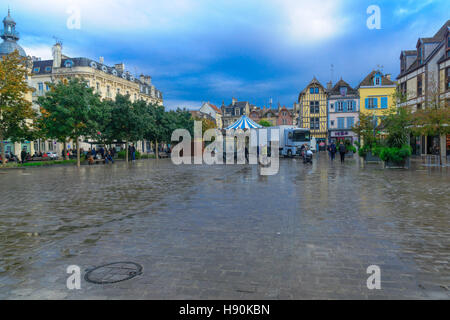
[
  {"x": 341, "y": 135},
  {"x": 416, "y": 145}
]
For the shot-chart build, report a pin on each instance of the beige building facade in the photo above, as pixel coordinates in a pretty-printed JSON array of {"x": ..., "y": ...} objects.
[{"x": 107, "y": 81}]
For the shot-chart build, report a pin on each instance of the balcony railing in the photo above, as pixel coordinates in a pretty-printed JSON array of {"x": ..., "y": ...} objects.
[{"x": 7, "y": 33}]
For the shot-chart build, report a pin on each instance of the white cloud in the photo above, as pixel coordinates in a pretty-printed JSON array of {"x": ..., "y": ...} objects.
[
  {"x": 308, "y": 22},
  {"x": 412, "y": 7}
]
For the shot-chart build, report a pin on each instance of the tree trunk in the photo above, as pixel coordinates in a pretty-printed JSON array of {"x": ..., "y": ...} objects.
[
  {"x": 65, "y": 150},
  {"x": 156, "y": 149},
  {"x": 443, "y": 149},
  {"x": 2, "y": 148},
  {"x": 78, "y": 153},
  {"x": 126, "y": 151}
]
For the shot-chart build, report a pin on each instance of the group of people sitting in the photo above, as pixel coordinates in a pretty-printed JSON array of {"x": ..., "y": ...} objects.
[{"x": 101, "y": 154}]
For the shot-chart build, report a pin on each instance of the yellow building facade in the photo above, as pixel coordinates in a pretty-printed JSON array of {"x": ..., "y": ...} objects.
[
  {"x": 311, "y": 110},
  {"x": 376, "y": 94}
]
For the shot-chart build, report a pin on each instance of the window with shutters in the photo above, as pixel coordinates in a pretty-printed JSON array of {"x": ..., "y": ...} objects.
[
  {"x": 371, "y": 103},
  {"x": 350, "y": 122},
  {"x": 384, "y": 102},
  {"x": 419, "y": 85},
  {"x": 350, "y": 106}
]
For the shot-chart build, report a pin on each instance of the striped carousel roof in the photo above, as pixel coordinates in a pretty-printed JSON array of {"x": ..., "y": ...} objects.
[{"x": 244, "y": 123}]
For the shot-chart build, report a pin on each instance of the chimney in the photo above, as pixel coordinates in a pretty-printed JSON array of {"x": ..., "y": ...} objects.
[
  {"x": 233, "y": 101},
  {"x": 388, "y": 76},
  {"x": 101, "y": 60},
  {"x": 142, "y": 78},
  {"x": 329, "y": 85},
  {"x": 57, "y": 52},
  {"x": 120, "y": 67},
  {"x": 148, "y": 80}
]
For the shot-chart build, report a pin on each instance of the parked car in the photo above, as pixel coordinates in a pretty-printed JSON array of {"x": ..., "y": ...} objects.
[{"x": 52, "y": 155}]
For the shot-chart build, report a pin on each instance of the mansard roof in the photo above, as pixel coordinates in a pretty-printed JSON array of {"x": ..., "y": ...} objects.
[
  {"x": 368, "y": 80},
  {"x": 341, "y": 83}
]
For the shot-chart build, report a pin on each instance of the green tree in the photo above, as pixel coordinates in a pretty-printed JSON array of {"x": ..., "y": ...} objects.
[
  {"x": 157, "y": 129},
  {"x": 67, "y": 111},
  {"x": 206, "y": 124},
  {"x": 103, "y": 119},
  {"x": 16, "y": 113},
  {"x": 129, "y": 121},
  {"x": 265, "y": 123},
  {"x": 398, "y": 127}
]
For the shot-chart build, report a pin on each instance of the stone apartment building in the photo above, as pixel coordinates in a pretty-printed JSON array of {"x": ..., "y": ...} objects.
[
  {"x": 234, "y": 111},
  {"x": 214, "y": 112},
  {"x": 424, "y": 81},
  {"x": 107, "y": 81}
]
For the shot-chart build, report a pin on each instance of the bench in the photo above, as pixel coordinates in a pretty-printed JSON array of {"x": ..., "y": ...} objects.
[
  {"x": 99, "y": 161},
  {"x": 40, "y": 159}
]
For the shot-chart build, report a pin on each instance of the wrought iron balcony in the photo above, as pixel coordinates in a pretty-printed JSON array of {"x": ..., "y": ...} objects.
[{"x": 12, "y": 34}]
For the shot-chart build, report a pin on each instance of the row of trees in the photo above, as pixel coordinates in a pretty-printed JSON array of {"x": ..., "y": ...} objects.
[
  {"x": 71, "y": 110},
  {"x": 389, "y": 136}
]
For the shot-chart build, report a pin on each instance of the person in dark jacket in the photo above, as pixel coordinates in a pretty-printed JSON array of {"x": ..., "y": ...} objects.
[
  {"x": 332, "y": 150},
  {"x": 342, "y": 151},
  {"x": 133, "y": 152},
  {"x": 23, "y": 155}
]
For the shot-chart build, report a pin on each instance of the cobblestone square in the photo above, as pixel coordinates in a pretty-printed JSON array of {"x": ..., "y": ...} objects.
[{"x": 226, "y": 232}]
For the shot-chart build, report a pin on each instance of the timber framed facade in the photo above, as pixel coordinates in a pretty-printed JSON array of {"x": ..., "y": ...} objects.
[{"x": 311, "y": 110}]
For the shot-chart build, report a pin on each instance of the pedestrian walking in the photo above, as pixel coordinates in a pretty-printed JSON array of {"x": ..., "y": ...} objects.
[
  {"x": 23, "y": 155},
  {"x": 332, "y": 150},
  {"x": 342, "y": 151},
  {"x": 133, "y": 152}
]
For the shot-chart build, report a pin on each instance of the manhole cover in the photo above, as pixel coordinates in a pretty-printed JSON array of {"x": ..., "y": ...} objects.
[{"x": 113, "y": 272}]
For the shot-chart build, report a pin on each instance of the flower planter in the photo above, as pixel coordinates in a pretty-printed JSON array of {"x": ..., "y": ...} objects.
[
  {"x": 371, "y": 158},
  {"x": 405, "y": 164}
]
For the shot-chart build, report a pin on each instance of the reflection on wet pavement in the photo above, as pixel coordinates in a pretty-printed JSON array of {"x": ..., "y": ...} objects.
[{"x": 218, "y": 232}]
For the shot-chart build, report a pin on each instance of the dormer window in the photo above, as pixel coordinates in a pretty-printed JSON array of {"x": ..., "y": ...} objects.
[
  {"x": 343, "y": 91},
  {"x": 68, "y": 64},
  {"x": 377, "y": 80}
]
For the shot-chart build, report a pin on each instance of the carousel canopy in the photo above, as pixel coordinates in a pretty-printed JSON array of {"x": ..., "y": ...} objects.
[{"x": 244, "y": 123}]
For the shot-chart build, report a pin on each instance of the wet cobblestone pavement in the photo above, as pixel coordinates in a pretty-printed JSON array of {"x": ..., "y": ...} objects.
[{"x": 225, "y": 232}]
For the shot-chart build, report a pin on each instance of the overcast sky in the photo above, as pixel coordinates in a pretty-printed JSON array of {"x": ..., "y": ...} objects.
[{"x": 214, "y": 50}]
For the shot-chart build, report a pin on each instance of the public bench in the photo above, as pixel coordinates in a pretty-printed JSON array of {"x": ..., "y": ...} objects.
[{"x": 40, "y": 159}]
